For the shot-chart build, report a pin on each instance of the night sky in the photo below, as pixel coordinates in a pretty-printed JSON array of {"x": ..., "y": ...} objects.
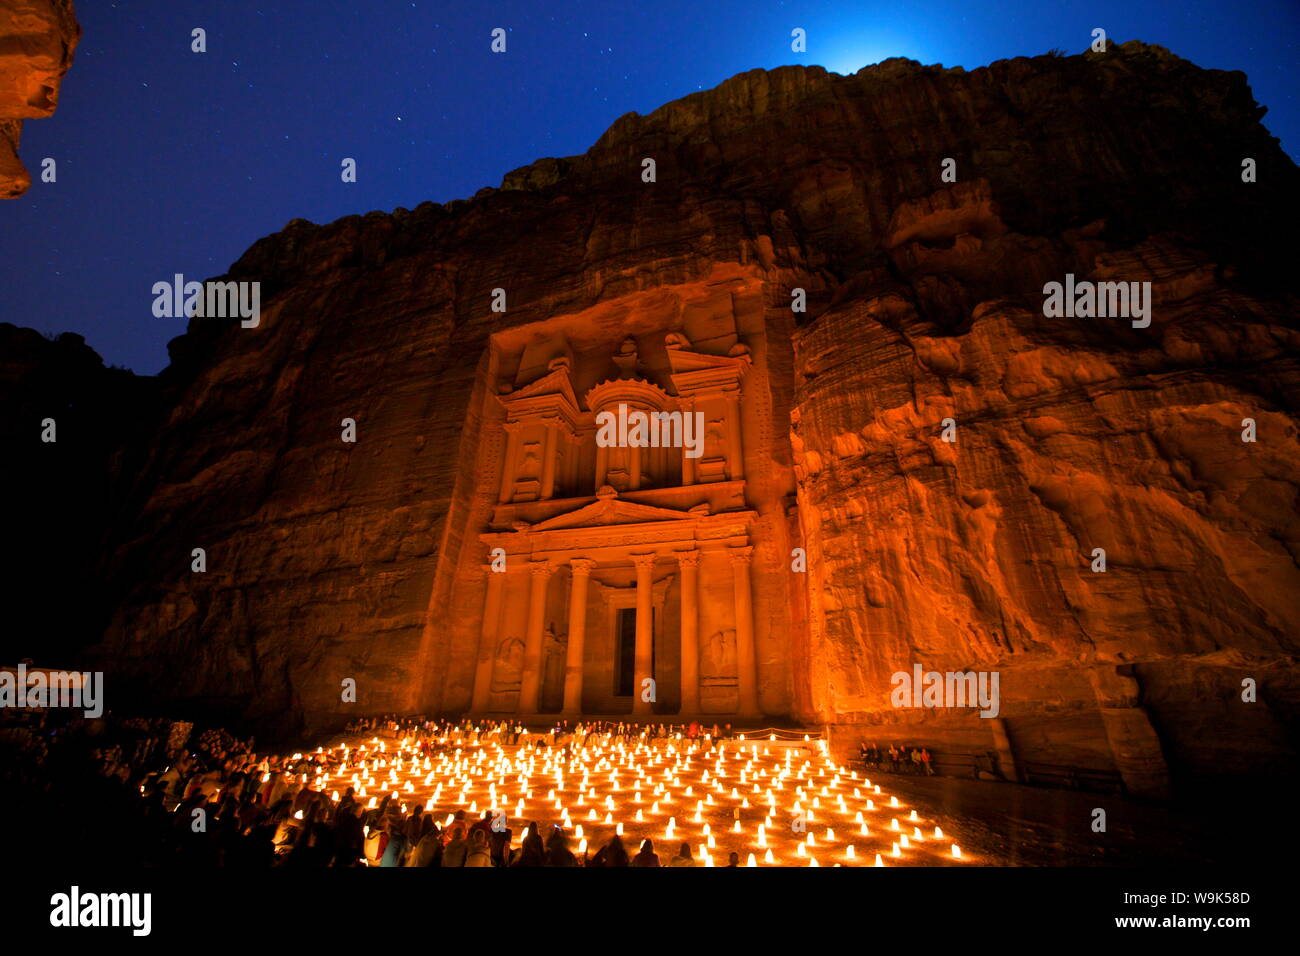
[{"x": 172, "y": 161}]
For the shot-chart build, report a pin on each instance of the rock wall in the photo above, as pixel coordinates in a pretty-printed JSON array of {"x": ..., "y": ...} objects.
[
  {"x": 924, "y": 302},
  {"x": 37, "y": 41},
  {"x": 72, "y": 432}
]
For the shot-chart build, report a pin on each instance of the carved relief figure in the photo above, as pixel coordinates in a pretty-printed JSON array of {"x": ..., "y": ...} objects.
[
  {"x": 530, "y": 464},
  {"x": 508, "y": 667},
  {"x": 714, "y": 436},
  {"x": 719, "y": 655}
]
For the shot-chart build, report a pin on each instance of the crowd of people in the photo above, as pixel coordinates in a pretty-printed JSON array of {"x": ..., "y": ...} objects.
[
  {"x": 561, "y": 734},
  {"x": 900, "y": 757},
  {"x": 216, "y": 801}
]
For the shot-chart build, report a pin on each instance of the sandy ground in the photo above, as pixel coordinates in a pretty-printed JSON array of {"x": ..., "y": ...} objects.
[{"x": 1015, "y": 825}]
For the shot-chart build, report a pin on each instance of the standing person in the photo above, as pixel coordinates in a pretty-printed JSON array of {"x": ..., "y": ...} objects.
[
  {"x": 925, "y": 761},
  {"x": 373, "y": 846},
  {"x": 349, "y": 799},
  {"x": 395, "y": 849},
  {"x": 415, "y": 825},
  {"x": 893, "y": 758},
  {"x": 916, "y": 761},
  {"x": 500, "y": 842},
  {"x": 350, "y": 843}
]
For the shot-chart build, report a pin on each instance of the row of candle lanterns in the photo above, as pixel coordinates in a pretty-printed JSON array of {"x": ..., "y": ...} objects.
[{"x": 662, "y": 776}]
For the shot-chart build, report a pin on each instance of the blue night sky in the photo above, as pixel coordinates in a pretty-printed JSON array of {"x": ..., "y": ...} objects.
[{"x": 171, "y": 161}]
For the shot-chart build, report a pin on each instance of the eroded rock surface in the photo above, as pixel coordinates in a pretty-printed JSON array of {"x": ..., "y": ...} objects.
[
  {"x": 37, "y": 41},
  {"x": 925, "y": 303}
]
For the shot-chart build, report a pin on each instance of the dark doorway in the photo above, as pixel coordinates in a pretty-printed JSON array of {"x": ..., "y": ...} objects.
[{"x": 625, "y": 651}]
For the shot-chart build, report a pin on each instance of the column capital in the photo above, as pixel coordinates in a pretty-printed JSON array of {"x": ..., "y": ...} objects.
[
  {"x": 688, "y": 559},
  {"x": 542, "y": 568},
  {"x": 582, "y": 566},
  {"x": 514, "y": 427},
  {"x": 646, "y": 561},
  {"x": 741, "y": 555}
]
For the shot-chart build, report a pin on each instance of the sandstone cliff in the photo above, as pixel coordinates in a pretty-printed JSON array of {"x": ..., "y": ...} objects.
[
  {"x": 925, "y": 303},
  {"x": 72, "y": 431},
  {"x": 37, "y": 41}
]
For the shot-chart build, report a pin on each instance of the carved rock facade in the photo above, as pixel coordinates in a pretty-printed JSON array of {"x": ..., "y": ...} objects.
[{"x": 823, "y": 430}]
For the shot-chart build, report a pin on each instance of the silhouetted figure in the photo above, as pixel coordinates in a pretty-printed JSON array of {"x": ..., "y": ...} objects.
[
  {"x": 646, "y": 856},
  {"x": 612, "y": 853},
  {"x": 478, "y": 850},
  {"x": 683, "y": 857},
  {"x": 454, "y": 853},
  {"x": 531, "y": 852},
  {"x": 557, "y": 849}
]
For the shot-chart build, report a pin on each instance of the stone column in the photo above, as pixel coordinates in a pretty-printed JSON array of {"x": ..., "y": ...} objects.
[
  {"x": 531, "y": 685},
  {"x": 571, "y": 483},
  {"x": 550, "y": 451},
  {"x": 746, "y": 653},
  {"x": 644, "y": 634},
  {"x": 735, "y": 447},
  {"x": 487, "y": 642},
  {"x": 577, "y": 634},
  {"x": 690, "y": 564},
  {"x": 508, "y": 462},
  {"x": 688, "y": 464},
  {"x": 602, "y": 464}
]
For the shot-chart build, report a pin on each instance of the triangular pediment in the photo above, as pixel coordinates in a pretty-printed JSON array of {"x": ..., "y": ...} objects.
[
  {"x": 555, "y": 382},
  {"x": 684, "y": 360},
  {"x": 610, "y": 511}
]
